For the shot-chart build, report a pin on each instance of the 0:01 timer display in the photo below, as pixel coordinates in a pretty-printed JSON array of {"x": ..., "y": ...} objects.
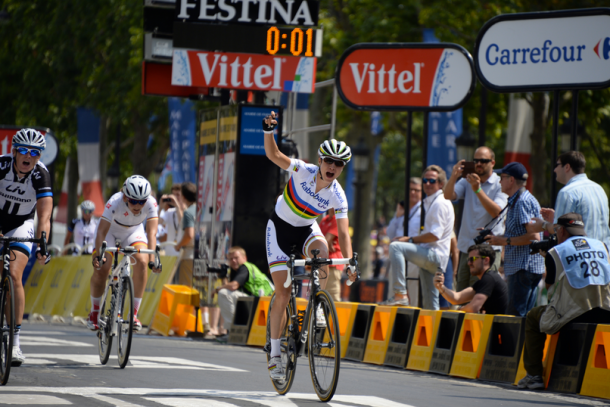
[{"x": 299, "y": 41}]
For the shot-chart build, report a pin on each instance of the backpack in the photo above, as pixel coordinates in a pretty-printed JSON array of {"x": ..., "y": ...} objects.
[{"x": 257, "y": 281}]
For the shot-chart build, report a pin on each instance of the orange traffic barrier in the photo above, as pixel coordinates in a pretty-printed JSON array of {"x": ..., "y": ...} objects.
[
  {"x": 597, "y": 374},
  {"x": 424, "y": 340},
  {"x": 471, "y": 346},
  {"x": 176, "y": 311}
]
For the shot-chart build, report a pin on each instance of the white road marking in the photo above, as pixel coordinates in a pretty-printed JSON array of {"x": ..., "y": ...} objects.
[
  {"x": 136, "y": 362},
  {"x": 32, "y": 400},
  {"x": 262, "y": 398},
  {"x": 38, "y": 341},
  {"x": 113, "y": 401},
  {"x": 188, "y": 402}
]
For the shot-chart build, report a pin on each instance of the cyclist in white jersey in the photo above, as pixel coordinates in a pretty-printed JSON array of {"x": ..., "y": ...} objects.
[
  {"x": 123, "y": 218},
  {"x": 25, "y": 190},
  {"x": 311, "y": 191},
  {"x": 83, "y": 229}
]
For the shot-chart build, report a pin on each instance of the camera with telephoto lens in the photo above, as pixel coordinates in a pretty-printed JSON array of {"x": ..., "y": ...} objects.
[
  {"x": 481, "y": 238},
  {"x": 543, "y": 245}
]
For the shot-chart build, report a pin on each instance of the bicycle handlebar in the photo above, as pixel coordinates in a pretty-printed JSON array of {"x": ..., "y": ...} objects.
[
  {"x": 322, "y": 262},
  {"x": 42, "y": 241},
  {"x": 128, "y": 250}
]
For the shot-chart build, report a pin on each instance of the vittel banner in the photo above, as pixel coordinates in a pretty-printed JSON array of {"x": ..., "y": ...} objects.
[
  {"x": 543, "y": 51},
  {"x": 405, "y": 76},
  {"x": 243, "y": 71}
]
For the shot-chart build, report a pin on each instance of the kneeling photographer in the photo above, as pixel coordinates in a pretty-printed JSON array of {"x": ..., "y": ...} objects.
[{"x": 579, "y": 271}]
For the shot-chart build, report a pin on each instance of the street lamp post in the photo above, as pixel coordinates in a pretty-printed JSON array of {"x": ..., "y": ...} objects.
[
  {"x": 114, "y": 172},
  {"x": 360, "y": 153},
  {"x": 565, "y": 131},
  {"x": 465, "y": 146}
]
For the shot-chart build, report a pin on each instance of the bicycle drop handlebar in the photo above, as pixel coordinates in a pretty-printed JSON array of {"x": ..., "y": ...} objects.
[
  {"x": 132, "y": 250},
  {"x": 42, "y": 241},
  {"x": 322, "y": 262}
]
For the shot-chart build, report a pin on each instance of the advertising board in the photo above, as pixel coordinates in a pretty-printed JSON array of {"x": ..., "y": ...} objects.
[
  {"x": 405, "y": 76},
  {"x": 555, "y": 50}
]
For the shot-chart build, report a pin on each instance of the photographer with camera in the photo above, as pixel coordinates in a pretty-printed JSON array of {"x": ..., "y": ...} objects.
[
  {"x": 579, "y": 195},
  {"x": 170, "y": 217},
  {"x": 489, "y": 293},
  {"x": 579, "y": 271},
  {"x": 244, "y": 279},
  {"x": 483, "y": 202},
  {"x": 522, "y": 270}
]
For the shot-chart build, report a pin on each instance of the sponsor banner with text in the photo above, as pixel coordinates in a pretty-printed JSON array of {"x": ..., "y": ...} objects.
[
  {"x": 545, "y": 51},
  {"x": 243, "y": 71},
  {"x": 436, "y": 77}
]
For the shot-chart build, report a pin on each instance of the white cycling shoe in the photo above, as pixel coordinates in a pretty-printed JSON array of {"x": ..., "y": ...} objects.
[
  {"x": 18, "y": 357},
  {"x": 276, "y": 370}
]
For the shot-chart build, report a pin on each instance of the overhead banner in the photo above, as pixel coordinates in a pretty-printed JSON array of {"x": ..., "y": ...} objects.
[
  {"x": 545, "y": 51},
  {"x": 405, "y": 76},
  {"x": 243, "y": 71}
]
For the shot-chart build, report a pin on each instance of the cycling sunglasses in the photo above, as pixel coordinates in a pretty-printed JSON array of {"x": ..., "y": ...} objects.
[
  {"x": 136, "y": 202},
  {"x": 87, "y": 211},
  {"x": 474, "y": 258},
  {"x": 432, "y": 181},
  {"x": 24, "y": 151},
  {"x": 481, "y": 160},
  {"x": 338, "y": 163}
]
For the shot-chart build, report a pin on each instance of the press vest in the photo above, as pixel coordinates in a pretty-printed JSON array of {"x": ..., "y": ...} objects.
[
  {"x": 585, "y": 261},
  {"x": 257, "y": 281}
]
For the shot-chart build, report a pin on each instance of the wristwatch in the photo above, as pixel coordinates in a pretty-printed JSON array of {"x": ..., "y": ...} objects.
[
  {"x": 508, "y": 241},
  {"x": 410, "y": 240},
  {"x": 544, "y": 225}
]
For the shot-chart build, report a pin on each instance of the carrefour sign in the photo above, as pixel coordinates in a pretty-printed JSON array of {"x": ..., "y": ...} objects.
[
  {"x": 405, "y": 76},
  {"x": 542, "y": 51}
]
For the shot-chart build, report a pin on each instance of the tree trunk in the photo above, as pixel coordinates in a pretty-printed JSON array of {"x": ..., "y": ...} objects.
[
  {"x": 72, "y": 187},
  {"x": 104, "y": 125},
  {"x": 539, "y": 157}
]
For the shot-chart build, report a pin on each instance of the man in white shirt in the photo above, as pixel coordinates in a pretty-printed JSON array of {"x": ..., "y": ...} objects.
[
  {"x": 396, "y": 229},
  {"x": 430, "y": 250},
  {"x": 483, "y": 201},
  {"x": 171, "y": 218}
]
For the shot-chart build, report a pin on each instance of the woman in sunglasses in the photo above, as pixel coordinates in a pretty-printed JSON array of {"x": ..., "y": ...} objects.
[
  {"x": 123, "y": 219},
  {"x": 25, "y": 190},
  {"x": 310, "y": 191}
]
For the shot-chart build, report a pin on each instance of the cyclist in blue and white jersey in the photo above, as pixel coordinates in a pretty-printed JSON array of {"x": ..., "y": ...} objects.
[
  {"x": 25, "y": 190},
  {"x": 123, "y": 219},
  {"x": 310, "y": 192}
]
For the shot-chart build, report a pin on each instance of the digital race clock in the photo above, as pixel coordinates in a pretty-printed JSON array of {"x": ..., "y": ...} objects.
[{"x": 254, "y": 39}]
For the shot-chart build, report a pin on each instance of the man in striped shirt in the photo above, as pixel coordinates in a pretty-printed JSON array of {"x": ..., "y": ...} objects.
[{"x": 579, "y": 195}]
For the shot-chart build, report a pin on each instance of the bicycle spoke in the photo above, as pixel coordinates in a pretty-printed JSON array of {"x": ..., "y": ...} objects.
[
  {"x": 288, "y": 351},
  {"x": 105, "y": 323},
  {"x": 125, "y": 322}
]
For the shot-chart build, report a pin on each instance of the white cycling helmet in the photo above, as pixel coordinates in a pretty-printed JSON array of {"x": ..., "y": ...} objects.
[
  {"x": 335, "y": 149},
  {"x": 87, "y": 206},
  {"x": 137, "y": 187},
  {"x": 29, "y": 138}
]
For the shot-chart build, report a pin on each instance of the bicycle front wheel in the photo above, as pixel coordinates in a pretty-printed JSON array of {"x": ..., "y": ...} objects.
[
  {"x": 7, "y": 324},
  {"x": 125, "y": 322},
  {"x": 288, "y": 347},
  {"x": 104, "y": 335},
  {"x": 324, "y": 346}
]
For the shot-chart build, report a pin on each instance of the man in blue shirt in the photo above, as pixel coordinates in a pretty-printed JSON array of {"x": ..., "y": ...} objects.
[
  {"x": 522, "y": 270},
  {"x": 580, "y": 195}
]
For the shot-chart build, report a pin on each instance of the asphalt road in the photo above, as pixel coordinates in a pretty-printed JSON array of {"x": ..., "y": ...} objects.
[{"x": 63, "y": 368}]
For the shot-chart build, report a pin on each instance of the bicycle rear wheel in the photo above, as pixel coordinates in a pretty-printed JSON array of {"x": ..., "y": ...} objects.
[
  {"x": 288, "y": 346},
  {"x": 104, "y": 335},
  {"x": 125, "y": 322},
  {"x": 7, "y": 324},
  {"x": 324, "y": 347}
]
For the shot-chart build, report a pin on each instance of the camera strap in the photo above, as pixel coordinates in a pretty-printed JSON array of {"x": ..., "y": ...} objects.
[{"x": 502, "y": 211}]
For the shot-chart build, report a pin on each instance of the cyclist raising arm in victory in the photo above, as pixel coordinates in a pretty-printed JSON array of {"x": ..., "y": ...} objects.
[
  {"x": 309, "y": 193},
  {"x": 123, "y": 219},
  {"x": 25, "y": 188}
]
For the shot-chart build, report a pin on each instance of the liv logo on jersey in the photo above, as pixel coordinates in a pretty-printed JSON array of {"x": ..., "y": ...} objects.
[
  {"x": 604, "y": 46},
  {"x": 15, "y": 189}
]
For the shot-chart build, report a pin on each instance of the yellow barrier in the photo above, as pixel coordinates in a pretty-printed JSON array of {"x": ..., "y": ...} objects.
[
  {"x": 258, "y": 330},
  {"x": 176, "y": 310},
  {"x": 62, "y": 288},
  {"x": 346, "y": 314},
  {"x": 424, "y": 340},
  {"x": 379, "y": 335},
  {"x": 472, "y": 343},
  {"x": 597, "y": 375},
  {"x": 548, "y": 354}
]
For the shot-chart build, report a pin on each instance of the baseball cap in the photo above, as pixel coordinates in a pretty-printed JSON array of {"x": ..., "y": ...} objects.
[
  {"x": 573, "y": 224},
  {"x": 516, "y": 170}
]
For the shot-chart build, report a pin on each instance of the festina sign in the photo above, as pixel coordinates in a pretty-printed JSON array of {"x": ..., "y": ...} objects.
[
  {"x": 545, "y": 51},
  {"x": 407, "y": 76},
  {"x": 270, "y": 12},
  {"x": 243, "y": 71}
]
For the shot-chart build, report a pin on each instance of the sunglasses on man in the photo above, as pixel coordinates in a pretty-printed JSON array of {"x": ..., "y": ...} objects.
[
  {"x": 338, "y": 163},
  {"x": 474, "y": 258},
  {"x": 432, "y": 181},
  {"x": 32, "y": 151},
  {"x": 481, "y": 160},
  {"x": 136, "y": 202}
]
